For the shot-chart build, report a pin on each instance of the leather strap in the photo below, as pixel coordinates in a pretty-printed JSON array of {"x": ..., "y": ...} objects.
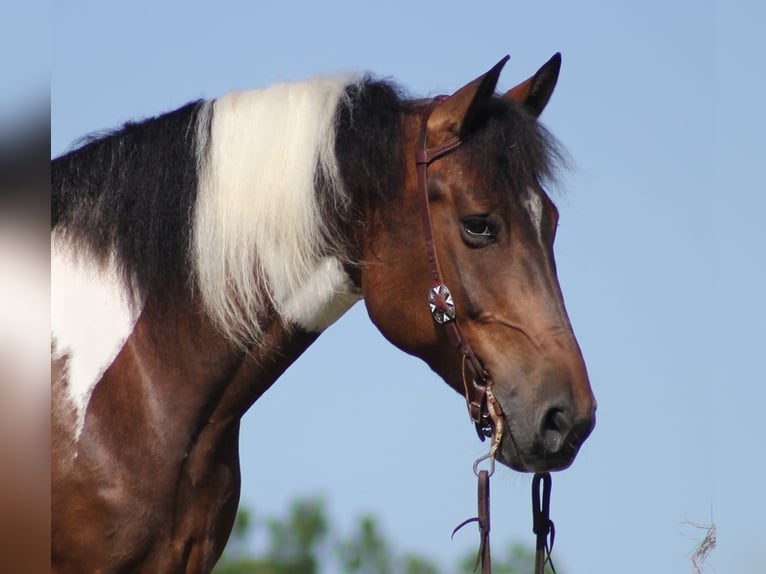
[
  {"x": 483, "y": 556},
  {"x": 542, "y": 525},
  {"x": 475, "y": 384}
]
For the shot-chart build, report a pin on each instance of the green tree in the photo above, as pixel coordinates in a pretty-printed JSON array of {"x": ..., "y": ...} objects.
[
  {"x": 294, "y": 543},
  {"x": 366, "y": 551},
  {"x": 304, "y": 542},
  {"x": 515, "y": 558}
]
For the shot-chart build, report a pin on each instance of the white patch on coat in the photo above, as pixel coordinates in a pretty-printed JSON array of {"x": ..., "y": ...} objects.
[
  {"x": 326, "y": 295},
  {"x": 91, "y": 319},
  {"x": 259, "y": 235},
  {"x": 534, "y": 205}
]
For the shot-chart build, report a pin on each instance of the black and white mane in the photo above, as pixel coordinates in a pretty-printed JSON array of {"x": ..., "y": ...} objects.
[
  {"x": 202, "y": 196},
  {"x": 263, "y": 181}
]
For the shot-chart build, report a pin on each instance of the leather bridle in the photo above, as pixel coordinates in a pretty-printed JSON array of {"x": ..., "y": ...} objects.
[{"x": 483, "y": 408}]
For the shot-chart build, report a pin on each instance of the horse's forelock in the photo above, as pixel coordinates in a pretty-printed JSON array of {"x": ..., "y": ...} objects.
[{"x": 511, "y": 146}]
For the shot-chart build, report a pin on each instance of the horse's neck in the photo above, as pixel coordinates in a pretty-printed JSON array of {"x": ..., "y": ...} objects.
[
  {"x": 222, "y": 380},
  {"x": 167, "y": 357}
]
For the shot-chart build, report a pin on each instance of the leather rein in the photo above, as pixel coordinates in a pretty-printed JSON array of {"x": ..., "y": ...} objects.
[{"x": 483, "y": 407}]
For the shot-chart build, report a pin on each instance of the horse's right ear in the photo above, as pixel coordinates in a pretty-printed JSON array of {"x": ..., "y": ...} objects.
[
  {"x": 453, "y": 117},
  {"x": 534, "y": 93}
]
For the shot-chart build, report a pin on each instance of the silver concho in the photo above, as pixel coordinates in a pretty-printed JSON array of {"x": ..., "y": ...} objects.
[{"x": 442, "y": 306}]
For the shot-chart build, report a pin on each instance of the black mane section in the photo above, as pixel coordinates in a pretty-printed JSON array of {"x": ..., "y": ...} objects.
[
  {"x": 131, "y": 194},
  {"x": 511, "y": 147},
  {"x": 369, "y": 142},
  {"x": 505, "y": 143}
]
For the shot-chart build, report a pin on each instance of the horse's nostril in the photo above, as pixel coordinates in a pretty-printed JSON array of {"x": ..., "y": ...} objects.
[{"x": 554, "y": 428}]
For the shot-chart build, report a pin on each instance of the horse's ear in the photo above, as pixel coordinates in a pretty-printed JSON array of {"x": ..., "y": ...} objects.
[
  {"x": 535, "y": 92},
  {"x": 453, "y": 117}
]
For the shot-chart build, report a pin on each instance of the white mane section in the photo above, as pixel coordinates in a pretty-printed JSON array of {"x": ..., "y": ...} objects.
[{"x": 259, "y": 234}]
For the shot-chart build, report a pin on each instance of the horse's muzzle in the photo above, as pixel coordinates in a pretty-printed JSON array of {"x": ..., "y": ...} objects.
[{"x": 548, "y": 440}]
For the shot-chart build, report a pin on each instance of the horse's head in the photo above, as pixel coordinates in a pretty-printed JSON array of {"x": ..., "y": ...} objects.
[{"x": 493, "y": 231}]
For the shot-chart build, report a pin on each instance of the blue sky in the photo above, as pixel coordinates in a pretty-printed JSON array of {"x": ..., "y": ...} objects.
[{"x": 659, "y": 253}]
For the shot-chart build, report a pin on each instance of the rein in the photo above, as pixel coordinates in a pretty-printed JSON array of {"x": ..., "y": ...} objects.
[{"x": 483, "y": 407}]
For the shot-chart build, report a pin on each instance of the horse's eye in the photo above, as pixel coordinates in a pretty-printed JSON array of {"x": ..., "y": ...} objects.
[{"x": 479, "y": 231}]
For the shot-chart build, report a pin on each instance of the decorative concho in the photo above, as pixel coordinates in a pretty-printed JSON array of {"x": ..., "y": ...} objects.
[{"x": 442, "y": 306}]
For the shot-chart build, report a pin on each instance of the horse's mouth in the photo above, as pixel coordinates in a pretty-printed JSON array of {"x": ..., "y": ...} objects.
[
  {"x": 530, "y": 462},
  {"x": 534, "y": 455}
]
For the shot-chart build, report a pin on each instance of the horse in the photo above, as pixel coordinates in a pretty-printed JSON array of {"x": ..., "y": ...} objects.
[{"x": 197, "y": 254}]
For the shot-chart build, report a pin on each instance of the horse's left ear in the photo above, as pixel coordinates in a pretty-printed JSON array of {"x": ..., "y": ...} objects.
[
  {"x": 453, "y": 117},
  {"x": 535, "y": 92}
]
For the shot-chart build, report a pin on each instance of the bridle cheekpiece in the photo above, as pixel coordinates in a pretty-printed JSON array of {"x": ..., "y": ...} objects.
[{"x": 483, "y": 408}]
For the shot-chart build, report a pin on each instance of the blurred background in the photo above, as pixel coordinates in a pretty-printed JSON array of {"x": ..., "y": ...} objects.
[
  {"x": 659, "y": 251},
  {"x": 25, "y": 41}
]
